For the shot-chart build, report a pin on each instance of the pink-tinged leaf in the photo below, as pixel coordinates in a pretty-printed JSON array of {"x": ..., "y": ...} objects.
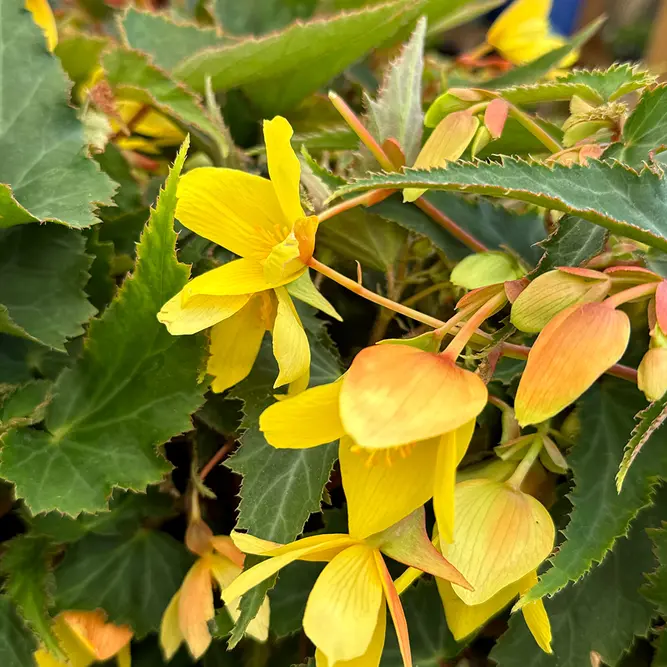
[
  {"x": 495, "y": 116},
  {"x": 633, "y": 274},
  {"x": 394, "y": 152},
  {"x": 582, "y": 273},
  {"x": 661, "y": 305}
]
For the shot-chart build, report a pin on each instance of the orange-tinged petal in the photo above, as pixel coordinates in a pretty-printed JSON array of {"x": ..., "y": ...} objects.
[
  {"x": 195, "y": 608},
  {"x": 43, "y": 17},
  {"x": 225, "y": 546},
  {"x": 290, "y": 344},
  {"x": 501, "y": 534},
  {"x": 308, "y": 419},
  {"x": 77, "y": 650},
  {"x": 536, "y": 616},
  {"x": 171, "y": 636},
  {"x": 396, "y": 610},
  {"x": 573, "y": 351},
  {"x": 344, "y": 605},
  {"x": 395, "y": 394},
  {"x": 661, "y": 305},
  {"x": 284, "y": 167},
  {"x": 235, "y": 344},
  {"x": 451, "y": 450},
  {"x": 234, "y": 209},
  {"x": 103, "y": 639},
  {"x": 370, "y": 485}
]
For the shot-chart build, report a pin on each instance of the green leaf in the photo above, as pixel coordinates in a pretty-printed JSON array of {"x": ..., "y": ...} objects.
[
  {"x": 457, "y": 16},
  {"x": 279, "y": 70},
  {"x": 16, "y": 641},
  {"x": 644, "y": 131},
  {"x": 602, "y": 613},
  {"x": 517, "y": 140},
  {"x": 47, "y": 173},
  {"x": 166, "y": 41},
  {"x": 26, "y": 405},
  {"x": 600, "y": 514},
  {"x": 610, "y": 195},
  {"x": 574, "y": 242},
  {"x": 132, "y": 389},
  {"x": 397, "y": 111},
  {"x": 495, "y": 226},
  {"x": 256, "y": 17},
  {"x": 650, "y": 420},
  {"x": 656, "y": 588},
  {"x": 80, "y": 56},
  {"x": 43, "y": 270},
  {"x": 101, "y": 287},
  {"x": 131, "y": 577}
]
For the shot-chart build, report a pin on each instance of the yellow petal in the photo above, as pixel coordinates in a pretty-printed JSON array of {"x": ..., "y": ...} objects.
[
  {"x": 500, "y": 535},
  {"x": 103, "y": 639},
  {"x": 536, "y": 616},
  {"x": 43, "y": 658},
  {"x": 395, "y": 394},
  {"x": 571, "y": 352},
  {"x": 171, "y": 636},
  {"x": 235, "y": 344},
  {"x": 43, "y": 17},
  {"x": 258, "y": 628},
  {"x": 200, "y": 312},
  {"x": 328, "y": 545},
  {"x": 451, "y": 450},
  {"x": 345, "y": 602},
  {"x": 370, "y": 485},
  {"x": 290, "y": 344},
  {"x": 124, "y": 657},
  {"x": 303, "y": 289},
  {"x": 284, "y": 167},
  {"x": 79, "y": 652},
  {"x": 150, "y": 123},
  {"x": 308, "y": 419},
  {"x": 195, "y": 608},
  {"x": 236, "y": 210},
  {"x": 283, "y": 263}
]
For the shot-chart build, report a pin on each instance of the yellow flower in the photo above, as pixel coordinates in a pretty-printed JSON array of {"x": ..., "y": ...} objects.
[
  {"x": 151, "y": 130},
  {"x": 345, "y": 614},
  {"x": 85, "y": 637},
  {"x": 191, "y": 608},
  {"x": 417, "y": 406},
  {"x": 522, "y": 33},
  {"x": 261, "y": 221},
  {"x": 43, "y": 17}
]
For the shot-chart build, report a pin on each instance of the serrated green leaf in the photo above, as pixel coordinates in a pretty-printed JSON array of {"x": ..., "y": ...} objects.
[
  {"x": 603, "y": 612},
  {"x": 43, "y": 270},
  {"x": 600, "y": 514},
  {"x": 26, "y": 405},
  {"x": 644, "y": 131},
  {"x": 256, "y": 17},
  {"x": 45, "y": 173},
  {"x": 167, "y": 41},
  {"x": 517, "y": 140},
  {"x": 131, "y": 577},
  {"x": 101, "y": 286},
  {"x": 574, "y": 242},
  {"x": 279, "y": 70},
  {"x": 494, "y": 226},
  {"x": 29, "y": 582},
  {"x": 397, "y": 111},
  {"x": 456, "y": 16},
  {"x": 656, "y": 589},
  {"x": 660, "y": 656},
  {"x": 16, "y": 641},
  {"x": 133, "y": 388},
  {"x": 610, "y": 195}
]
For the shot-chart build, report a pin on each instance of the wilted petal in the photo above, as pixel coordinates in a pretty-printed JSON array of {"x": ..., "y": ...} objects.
[
  {"x": 573, "y": 351},
  {"x": 395, "y": 394}
]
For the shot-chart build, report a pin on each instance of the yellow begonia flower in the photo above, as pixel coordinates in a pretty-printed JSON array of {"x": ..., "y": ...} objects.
[
  {"x": 151, "y": 130},
  {"x": 400, "y": 399},
  {"x": 85, "y": 638},
  {"x": 43, "y": 17},
  {"x": 522, "y": 33},
  {"x": 191, "y": 608},
  {"x": 262, "y": 221},
  {"x": 345, "y": 614}
]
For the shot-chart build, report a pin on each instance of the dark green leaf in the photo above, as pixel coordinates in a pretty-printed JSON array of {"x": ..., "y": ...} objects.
[
  {"x": 656, "y": 589},
  {"x": 131, "y": 578},
  {"x": 133, "y": 388},
  {"x": 610, "y": 195},
  {"x": 44, "y": 165},
  {"x": 256, "y": 17},
  {"x": 26, "y": 405},
  {"x": 16, "y": 642},
  {"x": 101, "y": 286}
]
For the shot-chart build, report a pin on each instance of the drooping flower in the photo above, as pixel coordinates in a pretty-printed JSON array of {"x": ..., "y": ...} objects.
[
  {"x": 345, "y": 615},
  {"x": 43, "y": 17},
  {"x": 84, "y": 638},
  {"x": 262, "y": 221},
  {"x": 191, "y": 608},
  {"x": 404, "y": 418}
]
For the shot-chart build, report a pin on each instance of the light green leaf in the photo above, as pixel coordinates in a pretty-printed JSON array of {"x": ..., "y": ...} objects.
[
  {"x": 80, "y": 55},
  {"x": 603, "y": 612},
  {"x": 600, "y": 514},
  {"x": 644, "y": 131},
  {"x": 303, "y": 289},
  {"x": 656, "y": 588},
  {"x": 132, "y": 389},
  {"x": 397, "y": 111},
  {"x": 43, "y": 270},
  {"x": 167, "y": 41},
  {"x": 457, "y": 16},
  {"x": 256, "y": 17},
  {"x": 610, "y": 195},
  {"x": 16, "y": 641},
  {"x": 131, "y": 577},
  {"x": 279, "y": 70},
  {"x": 45, "y": 173},
  {"x": 574, "y": 242}
]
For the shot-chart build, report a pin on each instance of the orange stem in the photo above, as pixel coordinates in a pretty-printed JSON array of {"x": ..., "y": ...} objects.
[
  {"x": 366, "y": 199},
  {"x": 216, "y": 458}
]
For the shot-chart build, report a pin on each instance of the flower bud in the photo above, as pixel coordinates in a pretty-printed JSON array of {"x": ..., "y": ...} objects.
[
  {"x": 455, "y": 99},
  {"x": 553, "y": 292},
  {"x": 652, "y": 374},
  {"x": 486, "y": 268}
]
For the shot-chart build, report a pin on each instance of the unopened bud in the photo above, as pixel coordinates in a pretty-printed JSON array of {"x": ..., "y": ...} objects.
[
  {"x": 486, "y": 268},
  {"x": 652, "y": 374},
  {"x": 455, "y": 99}
]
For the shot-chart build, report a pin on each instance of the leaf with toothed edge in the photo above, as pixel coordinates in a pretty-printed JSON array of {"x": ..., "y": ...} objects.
[
  {"x": 628, "y": 203},
  {"x": 16, "y": 642}
]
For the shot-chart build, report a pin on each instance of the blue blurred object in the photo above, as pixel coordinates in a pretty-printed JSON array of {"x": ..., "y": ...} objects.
[{"x": 563, "y": 15}]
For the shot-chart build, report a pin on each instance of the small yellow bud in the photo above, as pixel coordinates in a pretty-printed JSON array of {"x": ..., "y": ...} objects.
[{"x": 652, "y": 374}]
